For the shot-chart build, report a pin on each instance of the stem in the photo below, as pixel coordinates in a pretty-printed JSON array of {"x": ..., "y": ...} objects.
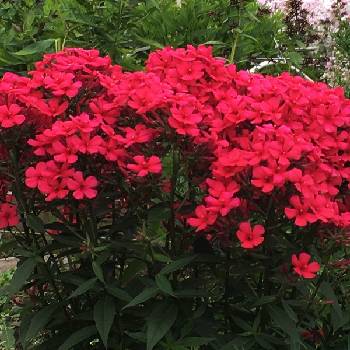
[
  {"x": 235, "y": 41},
  {"x": 172, "y": 233}
]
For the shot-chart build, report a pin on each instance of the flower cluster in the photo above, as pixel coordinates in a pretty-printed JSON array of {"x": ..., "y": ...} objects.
[{"x": 249, "y": 141}]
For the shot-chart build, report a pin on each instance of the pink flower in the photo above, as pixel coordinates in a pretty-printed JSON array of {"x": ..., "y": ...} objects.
[
  {"x": 302, "y": 266},
  {"x": 203, "y": 219},
  {"x": 8, "y": 215},
  {"x": 82, "y": 188},
  {"x": 11, "y": 116},
  {"x": 143, "y": 166},
  {"x": 250, "y": 238}
]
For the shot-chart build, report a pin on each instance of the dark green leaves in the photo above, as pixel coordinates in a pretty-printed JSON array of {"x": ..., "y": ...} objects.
[
  {"x": 35, "y": 48},
  {"x": 98, "y": 271},
  {"x": 163, "y": 284},
  {"x": 35, "y": 223},
  {"x": 21, "y": 275},
  {"x": 39, "y": 321},
  {"x": 104, "y": 312},
  {"x": 77, "y": 337},
  {"x": 177, "y": 265},
  {"x": 87, "y": 285},
  {"x": 145, "y": 295},
  {"x": 159, "y": 322}
]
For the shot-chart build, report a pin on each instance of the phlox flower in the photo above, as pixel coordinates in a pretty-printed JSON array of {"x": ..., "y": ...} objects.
[
  {"x": 8, "y": 215},
  {"x": 11, "y": 116},
  {"x": 143, "y": 166},
  {"x": 300, "y": 212},
  {"x": 250, "y": 237},
  {"x": 303, "y": 267},
  {"x": 203, "y": 219},
  {"x": 82, "y": 188}
]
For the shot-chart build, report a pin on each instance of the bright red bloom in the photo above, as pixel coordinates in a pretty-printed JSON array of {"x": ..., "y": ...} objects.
[
  {"x": 300, "y": 212},
  {"x": 8, "y": 215},
  {"x": 143, "y": 166},
  {"x": 37, "y": 176},
  {"x": 223, "y": 204},
  {"x": 303, "y": 267},
  {"x": 250, "y": 237},
  {"x": 11, "y": 116},
  {"x": 62, "y": 84},
  {"x": 82, "y": 188},
  {"x": 203, "y": 219}
]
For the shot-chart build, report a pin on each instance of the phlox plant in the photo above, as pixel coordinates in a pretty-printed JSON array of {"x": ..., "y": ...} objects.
[{"x": 189, "y": 205}]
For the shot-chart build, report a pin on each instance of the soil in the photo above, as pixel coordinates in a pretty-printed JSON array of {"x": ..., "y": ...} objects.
[{"x": 7, "y": 264}]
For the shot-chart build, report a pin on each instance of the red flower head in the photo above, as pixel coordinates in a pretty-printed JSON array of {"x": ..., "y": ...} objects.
[
  {"x": 11, "y": 116},
  {"x": 8, "y": 215},
  {"x": 82, "y": 187},
  {"x": 204, "y": 218},
  {"x": 250, "y": 238},
  {"x": 144, "y": 165},
  {"x": 302, "y": 266}
]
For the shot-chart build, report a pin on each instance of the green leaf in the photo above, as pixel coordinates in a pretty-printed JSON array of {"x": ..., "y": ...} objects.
[
  {"x": 164, "y": 284},
  {"x": 143, "y": 296},
  {"x": 104, "y": 312},
  {"x": 89, "y": 284},
  {"x": 35, "y": 48},
  {"x": 39, "y": 321},
  {"x": 283, "y": 321},
  {"x": 177, "y": 265},
  {"x": 293, "y": 316},
  {"x": 119, "y": 293},
  {"x": 78, "y": 337},
  {"x": 194, "y": 341},
  {"x": 21, "y": 275},
  {"x": 35, "y": 223},
  {"x": 98, "y": 271},
  {"x": 160, "y": 321}
]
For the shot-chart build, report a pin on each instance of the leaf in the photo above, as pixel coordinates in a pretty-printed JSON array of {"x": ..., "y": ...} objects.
[
  {"x": 89, "y": 284},
  {"x": 119, "y": 293},
  {"x": 283, "y": 321},
  {"x": 177, "y": 265},
  {"x": 21, "y": 275},
  {"x": 104, "y": 312},
  {"x": 143, "y": 296},
  {"x": 39, "y": 321},
  {"x": 164, "y": 284},
  {"x": 160, "y": 321},
  {"x": 35, "y": 223},
  {"x": 78, "y": 337},
  {"x": 194, "y": 341},
  {"x": 35, "y": 48},
  {"x": 98, "y": 271},
  {"x": 289, "y": 311}
]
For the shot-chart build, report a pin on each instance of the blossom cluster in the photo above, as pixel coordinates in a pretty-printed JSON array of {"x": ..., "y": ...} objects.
[{"x": 84, "y": 122}]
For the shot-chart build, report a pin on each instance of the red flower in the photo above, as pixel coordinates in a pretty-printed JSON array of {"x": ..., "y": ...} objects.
[
  {"x": 302, "y": 266},
  {"x": 82, "y": 188},
  {"x": 300, "y": 212},
  {"x": 37, "y": 177},
  {"x": 250, "y": 238},
  {"x": 144, "y": 165},
  {"x": 8, "y": 215},
  {"x": 11, "y": 116},
  {"x": 204, "y": 218}
]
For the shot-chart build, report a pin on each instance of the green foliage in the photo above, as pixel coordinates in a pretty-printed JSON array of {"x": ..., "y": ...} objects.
[
  {"x": 7, "y": 314},
  {"x": 127, "y": 30},
  {"x": 124, "y": 289}
]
